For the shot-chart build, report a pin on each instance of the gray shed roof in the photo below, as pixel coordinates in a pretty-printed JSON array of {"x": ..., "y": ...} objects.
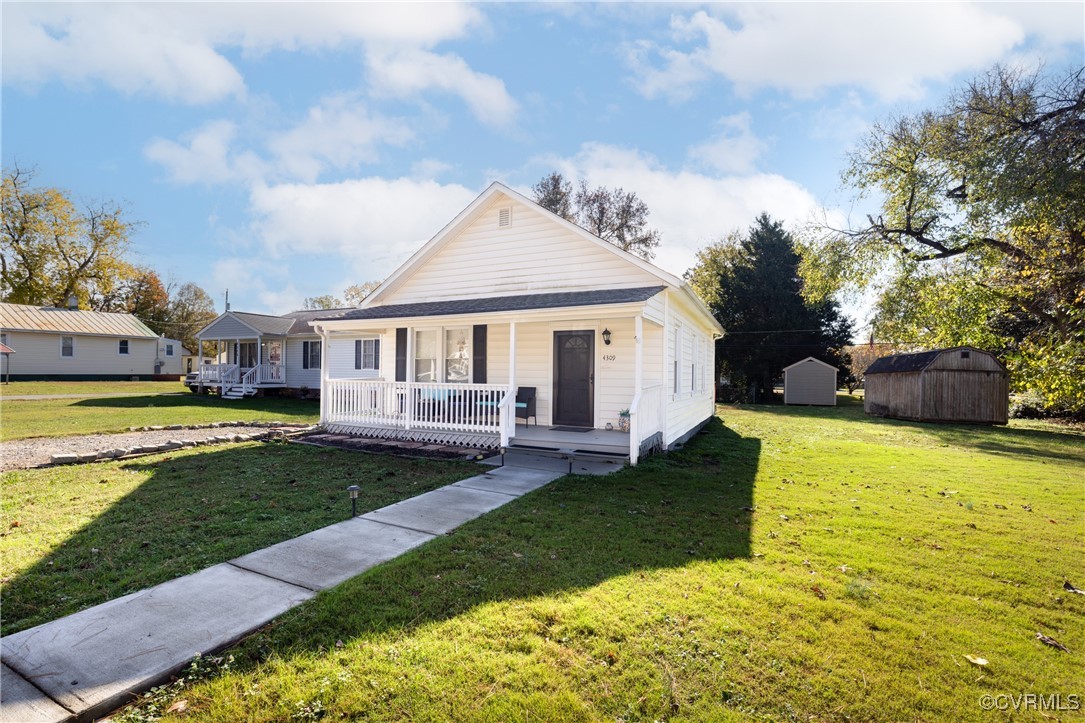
[
  {"x": 302, "y": 320},
  {"x": 903, "y": 362},
  {"x": 492, "y": 304}
]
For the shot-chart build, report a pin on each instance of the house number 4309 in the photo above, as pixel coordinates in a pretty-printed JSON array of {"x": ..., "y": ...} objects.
[{"x": 609, "y": 357}]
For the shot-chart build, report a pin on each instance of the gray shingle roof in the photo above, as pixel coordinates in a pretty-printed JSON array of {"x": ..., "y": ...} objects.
[
  {"x": 265, "y": 323},
  {"x": 903, "y": 362},
  {"x": 492, "y": 304},
  {"x": 303, "y": 319}
]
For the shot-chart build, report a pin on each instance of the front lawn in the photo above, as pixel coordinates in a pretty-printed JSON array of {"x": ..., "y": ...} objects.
[
  {"x": 795, "y": 564},
  {"x": 19, "y": 388},
  {"x": 63, "y": 417},
  {"x": 71, "y": 537}
]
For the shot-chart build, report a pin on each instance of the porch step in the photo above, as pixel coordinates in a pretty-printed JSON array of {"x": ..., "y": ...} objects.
[
  {"x": 580, "y": 446},
  {"x": 566, "y": 461},
  {"x": 237, "y": 392}
]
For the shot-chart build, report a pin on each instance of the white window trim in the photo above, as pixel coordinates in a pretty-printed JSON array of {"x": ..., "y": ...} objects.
[
  {"x": 128, "y": 349},
  {"x": 442, "y": 351},
  {"x": 361, "y": 359},
  {"x": 61, "y": 352},
  {"x": 169, "y": 350}
]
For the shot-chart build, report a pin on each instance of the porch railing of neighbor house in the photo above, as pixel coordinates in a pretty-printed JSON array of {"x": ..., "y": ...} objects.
[
  {"x": 476, "y": 408},
  {"x": 269, "y": 374},
  {"x": 645, "y": 420},
  {"x": 219, "y": 373}
]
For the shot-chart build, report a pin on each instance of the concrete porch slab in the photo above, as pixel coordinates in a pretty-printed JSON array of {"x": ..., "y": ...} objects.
[
  {"x": 510, "y": 480},
  {"x": 92, "y": 661},
  {"x": 439, "y": 511},
  {"x": 21, "y": 702},
  {"x": 328, "y": 556}
]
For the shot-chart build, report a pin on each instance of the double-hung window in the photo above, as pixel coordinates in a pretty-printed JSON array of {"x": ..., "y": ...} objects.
[
  {"x": 67, "y": 346},
  {"x": 310, "y": 355},
  {"x": 122, "y": 347},
  {"x": 169, "y": 349},
  {"x": 443, "y": 355},
  {"x": 367, "y": 353}
]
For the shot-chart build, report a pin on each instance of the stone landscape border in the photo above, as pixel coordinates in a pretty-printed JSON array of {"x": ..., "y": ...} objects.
[{"x": 274, "y": 430}]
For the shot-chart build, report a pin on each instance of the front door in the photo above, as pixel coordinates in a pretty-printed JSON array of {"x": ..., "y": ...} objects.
[{"x": 574, "y": 378}]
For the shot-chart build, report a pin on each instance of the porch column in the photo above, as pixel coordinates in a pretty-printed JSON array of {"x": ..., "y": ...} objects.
[
  {"x": 408, "y": 417},
  {"x": 260, "y": 360},
  {"x": 508, "y": 423},
  {"x": 325, "y": 391},
  {"x": 638, "y": 384}
]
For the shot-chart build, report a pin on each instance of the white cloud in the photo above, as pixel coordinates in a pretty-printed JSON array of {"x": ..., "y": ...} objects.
[
  {"x": 340, "y": 133},
  {"x": 407, "y": 72},
  {"x": 207, "y": 157},
  {"x": 172, "y": 50},
  {"x": 889, "y": 49},
  {"x": 374, "y": 223},
  {"x": 690, "y": 209},
  {"x": 733, "y": 150}
]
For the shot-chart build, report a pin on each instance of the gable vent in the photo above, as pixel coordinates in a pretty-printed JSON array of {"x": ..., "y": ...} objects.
[{"x": 504, "y": 217}]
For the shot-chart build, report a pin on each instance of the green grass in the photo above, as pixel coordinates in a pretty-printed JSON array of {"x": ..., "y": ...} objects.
[
  {"x": 76, "y": 536},
  {"x": 877, "y": 555},
  {"x": 61, "y": 417},
  {"x": 18, "y": 388}
]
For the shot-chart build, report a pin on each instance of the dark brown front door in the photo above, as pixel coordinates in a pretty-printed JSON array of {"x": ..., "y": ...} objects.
[{"x": 574, "y": 378}]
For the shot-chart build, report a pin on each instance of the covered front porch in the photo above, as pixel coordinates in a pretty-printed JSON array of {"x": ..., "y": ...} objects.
[
  {"x": 242, "y": 366},
  {"x": 569, "y": 380}
]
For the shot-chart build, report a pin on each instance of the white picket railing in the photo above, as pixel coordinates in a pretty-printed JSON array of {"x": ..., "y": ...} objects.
[
  {"x": 270, "y": 374},
  {"x": 420, "y": 405},
  {"x": 219, "y": 373},
  {"x": 645, "y": 418}
]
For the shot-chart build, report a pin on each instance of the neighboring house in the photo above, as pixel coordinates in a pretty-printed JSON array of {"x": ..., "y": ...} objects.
[
  {"x": 961, "y": 384},
  {"x": 810, "y": 381},
  {"x": 171, "y": 357},
  {"x": 69, "y": 344},
  {"x": 254, "y": 352},
  {"x": 5, "y": 359},
  {"x": 513, "y": 312}
]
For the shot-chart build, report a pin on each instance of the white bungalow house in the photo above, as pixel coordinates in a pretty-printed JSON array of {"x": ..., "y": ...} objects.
[
  {"x": 514, "y": 328},
  {"x": 71, "y": 345},
  {"x": 260, "y": 351}
]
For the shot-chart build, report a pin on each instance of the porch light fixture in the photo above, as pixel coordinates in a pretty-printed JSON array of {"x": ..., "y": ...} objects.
[
  {"x": 354, "y": 490},
  {"x": 606, "y": 336}
]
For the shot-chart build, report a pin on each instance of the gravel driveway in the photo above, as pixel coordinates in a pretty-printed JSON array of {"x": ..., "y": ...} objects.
[{"x": 24, "y": 453}]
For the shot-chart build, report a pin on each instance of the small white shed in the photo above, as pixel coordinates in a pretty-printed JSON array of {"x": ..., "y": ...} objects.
[{"x": 810, "y": 381}]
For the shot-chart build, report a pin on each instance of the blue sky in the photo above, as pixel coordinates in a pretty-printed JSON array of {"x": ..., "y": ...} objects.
[{"x": 288, "y": 150}]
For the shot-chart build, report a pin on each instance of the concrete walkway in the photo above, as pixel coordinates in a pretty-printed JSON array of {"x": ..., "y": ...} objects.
[{"x": 90, "y": 663}]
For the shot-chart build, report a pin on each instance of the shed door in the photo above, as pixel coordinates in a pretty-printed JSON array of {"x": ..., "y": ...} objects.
[{"x": 574, "y": 378}]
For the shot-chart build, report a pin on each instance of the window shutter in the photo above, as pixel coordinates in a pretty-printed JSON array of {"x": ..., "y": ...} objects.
[
  {"x": 478, "y": 348},
  {"x": 401, "y": 354},
  {"x": 357, "y": 353},
  {"x": 305, "y": 355}
]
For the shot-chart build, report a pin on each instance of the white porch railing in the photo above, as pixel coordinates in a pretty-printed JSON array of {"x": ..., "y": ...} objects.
[
  {"x": 417, "y": 405},
  {"x": 645, "y": 418},
  {"x": 219, "y": 373},
  {"x": 269, "y": 374}
]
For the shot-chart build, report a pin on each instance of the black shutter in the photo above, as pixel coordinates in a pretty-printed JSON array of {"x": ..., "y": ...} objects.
[
  {"x": 401, "y": 354},
  {"x": 478, "y": 348},
  {"x": 357, "y": 353},
  {"x": 305, "y": 355}
]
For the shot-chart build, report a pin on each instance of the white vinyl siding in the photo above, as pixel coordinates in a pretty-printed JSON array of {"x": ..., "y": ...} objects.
[
  {"x": 296, "y": 375},
  {"x": 341, "y": 353},
  {"x": 39, "y": 353},
  {"x": 228, "y": 327},
  {"x": 548, "y": 257},
  {"x": 695, "y": 402}
]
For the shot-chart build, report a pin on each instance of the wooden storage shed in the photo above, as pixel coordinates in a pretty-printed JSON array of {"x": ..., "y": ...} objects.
[
  {"x": 962, "y": 384},
  {"x": 810, "y": 381}
]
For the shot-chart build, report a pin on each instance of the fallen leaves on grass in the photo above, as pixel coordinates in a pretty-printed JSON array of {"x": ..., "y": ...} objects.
[
  {"x": 981, "y": 662},
  {"x": 817, "y": 591},
  {"x": 1052, "y": 642}
]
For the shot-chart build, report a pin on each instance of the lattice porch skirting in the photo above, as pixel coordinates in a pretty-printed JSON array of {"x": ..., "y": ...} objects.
[{"x": 429, "y": 436}]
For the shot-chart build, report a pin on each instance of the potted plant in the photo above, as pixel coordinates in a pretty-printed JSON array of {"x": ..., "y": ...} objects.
[{"x": 623, "y": 420}]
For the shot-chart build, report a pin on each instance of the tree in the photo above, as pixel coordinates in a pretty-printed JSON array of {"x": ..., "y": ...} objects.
[
  {"x": 758, "y": 299},
  {"x": 982, "y": 205},
  {"x": 555, "y": 194},
  {"x": 145, "y": 297},
  {"x": 191, "y": 309},
  {"x": 325, "y": 301},
  {"x": 355, "y": 294},
  {"x": 614, "y": 215},
  {"x": 50, "y": 251}
]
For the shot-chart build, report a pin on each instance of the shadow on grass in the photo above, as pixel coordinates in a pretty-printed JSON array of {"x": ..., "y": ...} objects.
[
  {"x": 289, "y": 409},
  {"x": 575, "y": 533},
  {"x": 1042, "y": 443},
  {"x": 195, "y": 509}
]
